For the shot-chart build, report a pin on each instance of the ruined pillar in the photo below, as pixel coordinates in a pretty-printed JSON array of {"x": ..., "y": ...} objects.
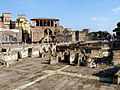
[
  {"x": 40, "y": 55},
  {"x": 72, "y": 57},
  {"x": 118, "y": 80},
  {"x": 73, "y": 36},
  {"x": 53, "y": 60},
  {"x": 7, "y": 65},
  {"x": 59, "y": 58},
  {"x": 79, "y": 58},
  {"x": 39, "y": 23},
  {"x": 51, "y": 23}
]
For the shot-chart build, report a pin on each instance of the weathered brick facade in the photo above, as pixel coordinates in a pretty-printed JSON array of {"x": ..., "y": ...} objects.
[
  {"x": 10, "y": 35},
  {"x": 5, "y": 20},
  {"x": 68, "y": 35},
  {"x": 43, "y": 29}
]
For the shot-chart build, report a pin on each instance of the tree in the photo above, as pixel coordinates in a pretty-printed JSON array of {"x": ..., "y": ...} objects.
[
  {"x": 101, "y": 34},
  {"x": 117, "y": 30},
  {"x": 118, "y": 24}
]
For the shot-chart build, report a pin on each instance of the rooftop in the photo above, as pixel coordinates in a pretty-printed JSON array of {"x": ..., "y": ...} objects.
[{"x": 45, "y": 19}]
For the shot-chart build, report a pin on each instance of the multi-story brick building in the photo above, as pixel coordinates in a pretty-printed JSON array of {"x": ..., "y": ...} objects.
[
  {"x": 5, "y": 20},
  {"x": 83, "y": 35},
  {"x": 67, "y": 35},
  {"x": 8, "y": 33},
  {"x": 43, "y": 29},
  {"x": 1, "y": 23}
]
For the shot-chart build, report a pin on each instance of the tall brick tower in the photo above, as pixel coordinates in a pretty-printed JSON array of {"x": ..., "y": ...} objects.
[{"x": 6, "y": 20}]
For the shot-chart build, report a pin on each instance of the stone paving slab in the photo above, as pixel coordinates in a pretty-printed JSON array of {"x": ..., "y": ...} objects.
[{"x": 29, "y": 74}]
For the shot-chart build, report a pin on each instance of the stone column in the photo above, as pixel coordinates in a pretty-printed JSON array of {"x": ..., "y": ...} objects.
[
  {"x": 45, "y": 23},
  {"x": 73, "y": 36},
  {"x": 39, "y": 23},
  {"x": 34, "y": 23},
  {"x": 50, "y": 23},
  {"x": 72, "y": 58},
  {"x": 40, "y": 54},
  {"x": 79, "y": 59},
  {"x": 53, "y": 23},
  {"x": 42, "y": 22},
  {"x": 53, "y": 58},
  {"x": 48, "y": 31}
]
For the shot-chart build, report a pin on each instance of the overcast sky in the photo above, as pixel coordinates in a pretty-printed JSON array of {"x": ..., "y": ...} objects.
[{"x": 77, "y": 14}]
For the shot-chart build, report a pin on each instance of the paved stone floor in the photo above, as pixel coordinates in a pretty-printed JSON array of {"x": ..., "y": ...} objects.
[{"x": 35, "y": 74}]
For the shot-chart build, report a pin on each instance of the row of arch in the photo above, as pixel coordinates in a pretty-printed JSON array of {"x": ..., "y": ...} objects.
[
  {"x": 9, "y": 38},
  {"x": 44, "y": 23},
  {"x": 48, "y": 32}
]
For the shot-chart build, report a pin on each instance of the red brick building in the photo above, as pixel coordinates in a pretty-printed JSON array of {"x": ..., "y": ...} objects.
[
  {"x": 5, "y": 20},
  {"x": 43, "y": 29}
]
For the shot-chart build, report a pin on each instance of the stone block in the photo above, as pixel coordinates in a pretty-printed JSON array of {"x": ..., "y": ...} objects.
[{"x": 35, "y": 53}]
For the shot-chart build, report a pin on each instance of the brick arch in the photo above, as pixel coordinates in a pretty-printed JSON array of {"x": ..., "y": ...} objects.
[
  {"x": 9, "y": 37},
  {"x": 48, "y": 32}
]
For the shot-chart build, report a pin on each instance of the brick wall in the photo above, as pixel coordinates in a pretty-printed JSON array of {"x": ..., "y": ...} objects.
[{"x": 10, "y": 35}]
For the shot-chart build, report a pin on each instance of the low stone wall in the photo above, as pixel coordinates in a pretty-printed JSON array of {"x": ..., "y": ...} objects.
[
  {"x": 72, "y": 53},
  {"x": 10, "y": 58},
  {"x": 11, "y": 54},
  {"x": 24, "y": 53},
  {"x": 36, "y": 53}
]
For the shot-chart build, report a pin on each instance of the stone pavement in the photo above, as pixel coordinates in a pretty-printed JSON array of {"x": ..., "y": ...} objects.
[{"x": 34, "y": 74}]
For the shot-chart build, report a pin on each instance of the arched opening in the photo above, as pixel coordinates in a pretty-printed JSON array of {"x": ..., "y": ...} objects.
[
  {"x": 29, "y": 52},
  {"x": 55, "y": 25},
  {"x": 37, "y": 23},
  {"x": 76, "y": 58},
  {"x": 15, "y": 39},
  {"x": 19, "y": 55},
  {"x": 83, "y": 61},
  {"x": 50, "y": 32},
  {"x": 41, "y": 23},
  {"x": 45, "y": 32},
  {"x": 53, "y": 38},
  {"x": 59, "y": 59},
  {"x": 44, "y": 23},
  {"x": 67, "y": 58},
  {"x": 9, "y": 38},
  {"x": 48, "y": 23},
  {"x": 40, "y": 54}
]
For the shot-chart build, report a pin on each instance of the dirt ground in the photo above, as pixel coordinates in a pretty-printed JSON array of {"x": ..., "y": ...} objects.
[{"x": 36, "y": 74}]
